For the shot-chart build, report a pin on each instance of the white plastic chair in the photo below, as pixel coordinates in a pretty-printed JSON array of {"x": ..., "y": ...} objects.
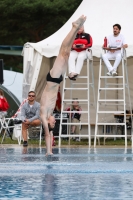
[
  {"x": 17, "y": 133},
  {"x": 4, "y": 122},
  {"x": 17, "y": 129}
]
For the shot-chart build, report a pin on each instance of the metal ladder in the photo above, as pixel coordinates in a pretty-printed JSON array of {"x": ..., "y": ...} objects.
[
  {"x": 78, "y": 86},
  {"x": 104, "y": 111}
]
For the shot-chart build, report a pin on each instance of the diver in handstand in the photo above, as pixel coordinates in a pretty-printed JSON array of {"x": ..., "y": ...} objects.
[{"x": 54, "y": 77}]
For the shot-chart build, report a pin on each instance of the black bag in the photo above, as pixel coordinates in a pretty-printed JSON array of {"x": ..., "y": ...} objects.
[{"x": 17, "y": 121}]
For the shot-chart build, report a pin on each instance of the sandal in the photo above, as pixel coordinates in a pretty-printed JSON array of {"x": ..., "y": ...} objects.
[
  {"x": 72, "y": 78},
  {"x": 75, "y": 76}
]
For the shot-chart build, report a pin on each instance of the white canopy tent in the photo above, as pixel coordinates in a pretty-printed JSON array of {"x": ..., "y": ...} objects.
[{"x": 101, "y": 16}]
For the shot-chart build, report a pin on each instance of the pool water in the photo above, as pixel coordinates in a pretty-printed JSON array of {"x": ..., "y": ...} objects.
[{"x": 70, "y": 174}]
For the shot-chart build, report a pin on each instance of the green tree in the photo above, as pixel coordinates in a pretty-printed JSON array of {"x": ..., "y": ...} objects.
[
  {"x": 24, "y": 21},
  {"x": 33, "y": 20}
]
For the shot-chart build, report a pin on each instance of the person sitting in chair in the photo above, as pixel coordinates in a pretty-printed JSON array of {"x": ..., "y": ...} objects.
[
  {"x": 115, "y": 42},
  {"x": 79, "y": 51},
  {"x": 30, "y": 115}
]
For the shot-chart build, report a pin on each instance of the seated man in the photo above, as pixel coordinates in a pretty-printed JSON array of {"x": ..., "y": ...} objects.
[
  {"x": 115, "y": 42},
  {"x": 75, "y": 117},
  {"x": 30, "y": 115},
  {"x": 82, "y": 42}
]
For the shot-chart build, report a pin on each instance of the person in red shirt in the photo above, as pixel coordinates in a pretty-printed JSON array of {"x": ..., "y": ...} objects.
[
  {"x": 4, "y": 106},
  {"x": 79, "y": 51}
]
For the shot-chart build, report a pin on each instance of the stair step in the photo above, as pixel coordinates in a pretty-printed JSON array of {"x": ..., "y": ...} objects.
[
  {"x": 110, "y": 104},
  {"x": 114, "y": 112},
  {"x": 111, "y": 76},
  {"x": 80, "y": 123},
  {"x": 111, "y": 135},
  {"x": 107, "y": 100},
  {"x": 74, "y": 111},
  {"x": 65, "y": 135},
  {"x": 115, "y": 84},
  {"x": 111, "y": 88},
  {"x": 83, "y": 83},
  {"x": 110, "y": 123},
  {"x": 79, "y": 77},
  {"x": 75, "y": 88},
  {"x": 80, "y": 100}
]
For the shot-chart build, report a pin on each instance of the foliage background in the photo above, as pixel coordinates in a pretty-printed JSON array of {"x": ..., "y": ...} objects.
[{"x": 24, "y": 21}]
